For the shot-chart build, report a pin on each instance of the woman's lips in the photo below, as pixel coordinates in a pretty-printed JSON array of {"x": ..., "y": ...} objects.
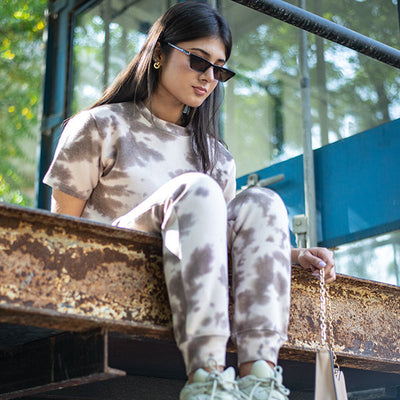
[{"x": 200, "y": 90}]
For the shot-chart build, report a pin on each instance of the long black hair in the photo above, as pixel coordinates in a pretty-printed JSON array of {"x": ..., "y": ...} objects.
[{"x": 185, "y": 21}]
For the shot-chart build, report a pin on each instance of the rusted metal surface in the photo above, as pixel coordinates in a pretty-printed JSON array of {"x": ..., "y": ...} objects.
[
  {"x": 57, "y": 266},
  {"x": 365, "y": 318},
  {"x": 61, "y": 361},
  {"x": 64, "y": 273}
]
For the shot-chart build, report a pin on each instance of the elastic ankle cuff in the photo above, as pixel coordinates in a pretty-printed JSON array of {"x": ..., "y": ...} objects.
[
  {"x": 258, "y": 345},
  {"x": 198, "y": 351}
]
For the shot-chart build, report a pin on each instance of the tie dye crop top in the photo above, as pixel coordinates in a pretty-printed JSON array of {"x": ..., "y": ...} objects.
[{"x": 115, "y": 155}]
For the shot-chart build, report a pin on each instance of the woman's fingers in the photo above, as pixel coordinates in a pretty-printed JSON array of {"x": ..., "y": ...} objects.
[{"x": 317, "y": 258}]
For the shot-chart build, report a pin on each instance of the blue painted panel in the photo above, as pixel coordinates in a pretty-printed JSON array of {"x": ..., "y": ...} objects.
[{"x": 357, "y": 185}]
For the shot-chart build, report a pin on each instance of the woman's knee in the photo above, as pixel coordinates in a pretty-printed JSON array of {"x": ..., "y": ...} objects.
[
  {"x": 202, "y": 187},
  {"x": 261, "y": 201}
]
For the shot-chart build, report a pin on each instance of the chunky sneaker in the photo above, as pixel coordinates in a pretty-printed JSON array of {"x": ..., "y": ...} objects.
[
  {"x": 264, "y": 383},
  {"x": 213, "y": 385}
]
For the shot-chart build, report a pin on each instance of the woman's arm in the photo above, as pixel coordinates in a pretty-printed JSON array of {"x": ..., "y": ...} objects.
[
  {"x": 315, "y": 258},
  {"x": 62, "y": 203}
]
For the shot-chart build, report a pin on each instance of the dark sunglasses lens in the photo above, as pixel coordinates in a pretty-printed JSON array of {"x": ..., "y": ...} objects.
[
  {"x": 201, "y": 65},
  {"x": 198, "y": 63},
  {"x": 223, "y": 74}
]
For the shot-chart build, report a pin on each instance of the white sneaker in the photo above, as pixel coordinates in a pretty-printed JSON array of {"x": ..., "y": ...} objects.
[
  {"x": 264, "y": 383},
  {"x": 213, "y": 385}
]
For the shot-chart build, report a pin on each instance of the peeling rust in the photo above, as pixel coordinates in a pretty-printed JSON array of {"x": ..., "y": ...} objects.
[
  {"x": 365, "y": 319},
  {"x": 63, "y": 273},
  {"x": 48, "y": 265}
]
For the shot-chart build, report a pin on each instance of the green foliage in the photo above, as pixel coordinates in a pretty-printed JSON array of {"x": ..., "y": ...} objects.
[
  {"x": 350, "y": 92},
  {"x": 88, "y": 50},
  {"x": 22, "y": 24}
]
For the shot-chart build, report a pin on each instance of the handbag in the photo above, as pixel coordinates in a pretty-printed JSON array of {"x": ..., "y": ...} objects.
[{"x": 329, "y": 379}]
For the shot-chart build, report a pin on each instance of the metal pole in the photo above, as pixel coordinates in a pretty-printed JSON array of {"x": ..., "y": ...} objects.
[
  {"x": 322, "y": 27},
  {"x": 106, "y": 49},
  {"x": 308, "y": 155},
  {"x": 321, "y": 83}
]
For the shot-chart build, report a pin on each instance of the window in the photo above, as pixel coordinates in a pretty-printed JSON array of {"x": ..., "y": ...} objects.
[
  {"x": 262, "y": 115},
  {"x": 350, "y": 92},
  {"x": 105, "y": 38},
  {"x": 376, "y": 258}
]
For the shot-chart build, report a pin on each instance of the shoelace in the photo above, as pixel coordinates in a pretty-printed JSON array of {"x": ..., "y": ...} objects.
[
  {"x": 229, "y": 386},
  {"x": 273, "y": 382}
]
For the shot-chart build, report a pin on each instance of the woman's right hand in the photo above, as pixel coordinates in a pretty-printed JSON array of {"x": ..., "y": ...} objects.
[{"x": 316, "y": 258}]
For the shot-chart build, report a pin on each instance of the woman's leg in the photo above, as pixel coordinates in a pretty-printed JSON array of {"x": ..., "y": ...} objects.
[
  {"x": 190, "y": 213},
  {"x": 259, "y": 244}
]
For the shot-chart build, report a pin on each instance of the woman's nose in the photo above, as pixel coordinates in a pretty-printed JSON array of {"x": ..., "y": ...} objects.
[{"x": 208, "y": 74}]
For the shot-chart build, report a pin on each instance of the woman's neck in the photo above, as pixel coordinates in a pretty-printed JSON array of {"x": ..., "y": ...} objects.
[{"x": 165, "y": 110}]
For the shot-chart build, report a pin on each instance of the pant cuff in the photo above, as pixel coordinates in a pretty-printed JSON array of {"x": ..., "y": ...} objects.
[
  {"x": 258, "y": 345},
  {"x": 198, "y": 351}
]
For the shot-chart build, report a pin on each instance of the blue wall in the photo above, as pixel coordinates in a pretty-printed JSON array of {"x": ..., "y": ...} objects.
[{"x": 357, "y": 185}]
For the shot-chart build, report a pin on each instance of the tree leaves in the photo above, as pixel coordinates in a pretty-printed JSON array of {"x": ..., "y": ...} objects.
[{"x": 22, "y": 24}]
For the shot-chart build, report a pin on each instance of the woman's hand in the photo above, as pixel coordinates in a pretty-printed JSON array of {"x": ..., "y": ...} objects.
[{"x": 315, "y": 258}]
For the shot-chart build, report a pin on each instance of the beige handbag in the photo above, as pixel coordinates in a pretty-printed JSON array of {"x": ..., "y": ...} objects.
[{"x": 329, "y": 379}]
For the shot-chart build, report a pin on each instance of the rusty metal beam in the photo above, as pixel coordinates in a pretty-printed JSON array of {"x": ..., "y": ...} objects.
[
  {"x": 365, "y": 317},
  {"x": 65, "y": 273},
  {"x": 56, "y": 362}
]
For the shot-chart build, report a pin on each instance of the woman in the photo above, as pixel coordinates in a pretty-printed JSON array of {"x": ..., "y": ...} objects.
[{"x": 146, "y": 156}]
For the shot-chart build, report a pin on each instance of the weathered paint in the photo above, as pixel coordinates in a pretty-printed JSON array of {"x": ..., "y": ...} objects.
[{"x": 64, "y": 273}]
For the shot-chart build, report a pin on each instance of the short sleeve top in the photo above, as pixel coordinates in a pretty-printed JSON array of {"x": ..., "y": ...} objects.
[{"x": 114, "y": 156}]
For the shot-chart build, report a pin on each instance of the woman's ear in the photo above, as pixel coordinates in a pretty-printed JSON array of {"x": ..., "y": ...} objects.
[{"x": 158, "y": 55}]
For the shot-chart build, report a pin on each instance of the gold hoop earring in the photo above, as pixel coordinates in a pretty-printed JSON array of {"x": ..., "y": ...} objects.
[{"x": 157, "y": 65}]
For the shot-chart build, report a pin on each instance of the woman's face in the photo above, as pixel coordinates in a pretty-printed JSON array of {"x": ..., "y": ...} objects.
[{"x": 180, "y": 84}]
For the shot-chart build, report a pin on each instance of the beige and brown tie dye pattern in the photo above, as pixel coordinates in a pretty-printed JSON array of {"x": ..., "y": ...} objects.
[
  {"x": 258, "y": 236},
  {"x": 114, "y": 156},
  {"x": 198, "y": 228},
  {"x": 140, "y": 172}
]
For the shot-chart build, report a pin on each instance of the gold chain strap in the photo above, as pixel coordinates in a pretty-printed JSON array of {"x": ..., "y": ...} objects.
[
  {"x": 327, "y": 338},
  {"x": 322, "y": 292}
]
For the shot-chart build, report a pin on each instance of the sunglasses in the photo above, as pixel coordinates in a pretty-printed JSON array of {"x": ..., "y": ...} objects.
[{"x": 200, "y": 64}]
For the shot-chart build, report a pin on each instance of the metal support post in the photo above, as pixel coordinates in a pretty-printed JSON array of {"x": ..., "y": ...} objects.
[
  {"x": 300, "y": 229},
  {"x": 308, "y": 155}
]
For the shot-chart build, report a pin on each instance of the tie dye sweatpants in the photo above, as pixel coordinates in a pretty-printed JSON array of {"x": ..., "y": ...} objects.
[{"x": 199, "y": 230}]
